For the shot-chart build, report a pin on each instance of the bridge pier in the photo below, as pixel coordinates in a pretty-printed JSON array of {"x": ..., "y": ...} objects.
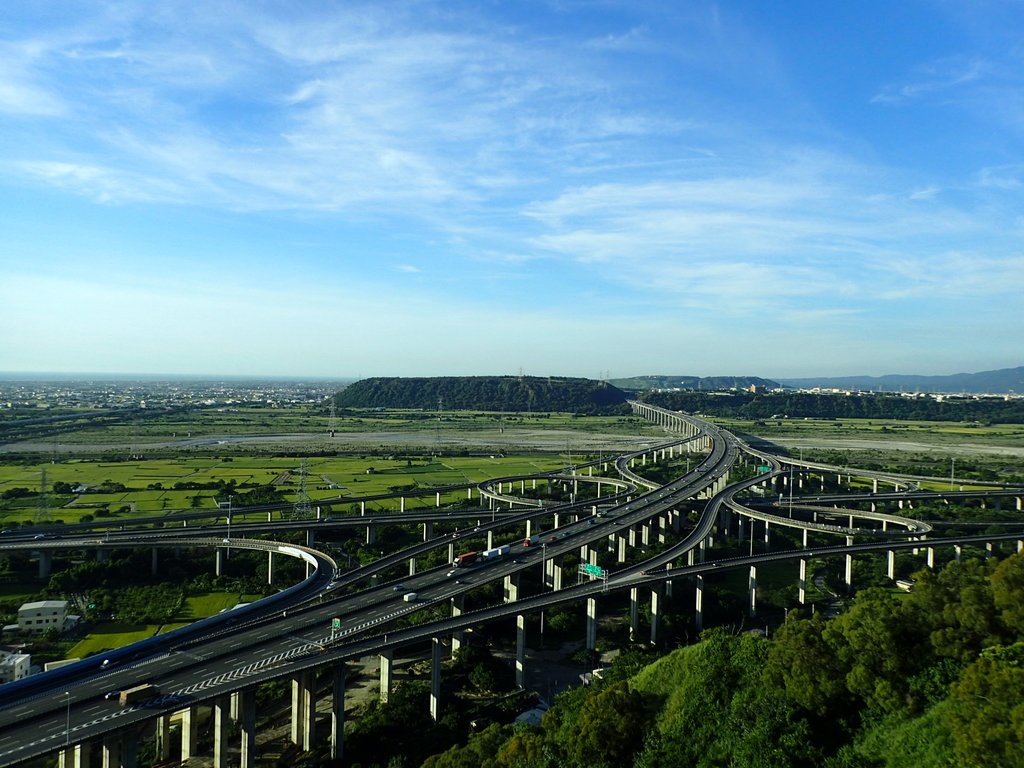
[
  {"x": 620, "y": 555},
  {"x": 634, "y": 612},
  {"x": 511, "y": 586},
  {"x": 458, "y": 605},
  {"x": 337, "y": 712},
  {"x": 189, "y": 733},
  {"x": 45, "y": 563},
  {"x": 428, "y": 531},
  {"x": 412, "y": 566},
  {"x": 802, "y": 582},
  {"x": 73, "y": 757},
  {"x": 304, "y": 709},
  {"x": 655, "y": 614},
  {"x": 387, "y": 657},
  {"x": 270, "y": 566},
  {"x": 163, "y": 738},
  {"x": 591, "y": 623},
  {"x": 890, "y": 564},
  {"x": 752, "y": 590},
  {"x": 247, "y": 726},
  {"x": 435, "y": 678},
  {"x": 698, "y": 615},
  {"x": 371, "y": 534},
  {"x": 520, "y": 650},
  {"x": 221, "y": 721},
  {"x": 154, "y": 561},
  {"x": 848, "y": 575}
]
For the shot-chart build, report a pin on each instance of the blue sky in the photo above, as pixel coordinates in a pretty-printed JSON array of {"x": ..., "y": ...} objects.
[{"x": 577, "y": 188}]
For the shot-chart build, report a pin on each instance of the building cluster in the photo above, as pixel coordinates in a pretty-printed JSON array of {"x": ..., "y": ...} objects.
[
  {"x": 33, "y": 619},
  {"x": 113, "y": 394}
]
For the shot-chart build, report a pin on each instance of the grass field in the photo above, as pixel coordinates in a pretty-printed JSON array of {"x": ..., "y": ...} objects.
[{"x": 105, "y": 636}]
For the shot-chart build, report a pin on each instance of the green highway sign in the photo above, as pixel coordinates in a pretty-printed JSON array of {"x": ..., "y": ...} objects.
[
  {"x": 335, "y": 624},
  {"x": 591, "y": 570},
  {"x": 763, "y": 470}
]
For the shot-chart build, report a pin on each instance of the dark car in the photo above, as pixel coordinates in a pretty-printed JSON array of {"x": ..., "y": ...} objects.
[{"x": 110, "y": 695}]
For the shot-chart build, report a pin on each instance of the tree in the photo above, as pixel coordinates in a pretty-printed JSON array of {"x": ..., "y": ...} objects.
[
  {"x": 1008, "y": 592},
  {"x": 986, "y": 714}
]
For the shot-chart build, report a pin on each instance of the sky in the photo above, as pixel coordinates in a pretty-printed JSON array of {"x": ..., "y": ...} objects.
[{"x": 597, "y": 189}]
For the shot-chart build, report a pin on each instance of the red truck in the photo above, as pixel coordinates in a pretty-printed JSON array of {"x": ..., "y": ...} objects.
[{"x": 466, "y": 558}]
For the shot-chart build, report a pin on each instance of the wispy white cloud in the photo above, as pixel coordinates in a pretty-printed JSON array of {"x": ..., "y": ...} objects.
[{"x": 935, "y": 79}]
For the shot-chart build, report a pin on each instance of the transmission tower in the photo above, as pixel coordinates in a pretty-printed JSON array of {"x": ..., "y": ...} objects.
[
  {"x": 333, "y": 424},
  {"x": 303, "y": 509}
]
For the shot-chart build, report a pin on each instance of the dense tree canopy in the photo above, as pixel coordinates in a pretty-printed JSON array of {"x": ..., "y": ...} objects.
[
  {"x": 933, "y": 678},
  {"x": 487, "y": 393},
  {"x": 747, "y": 405}
]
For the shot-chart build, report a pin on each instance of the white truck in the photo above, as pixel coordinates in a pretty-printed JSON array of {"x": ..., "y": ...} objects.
[
  {"x": 496, "y": 552},
  {"x": 409, "y": 597}
]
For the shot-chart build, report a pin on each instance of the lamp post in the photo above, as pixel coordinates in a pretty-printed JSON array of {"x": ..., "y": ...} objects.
[{"x": 67, "y": 726}]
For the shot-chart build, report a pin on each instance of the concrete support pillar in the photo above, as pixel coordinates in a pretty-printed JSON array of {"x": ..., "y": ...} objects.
[
  {"x": 247, "y": 726},
  {"x": 163, "y": 738},
  {"x": 46, "y": 563},
  {"x": 930, "y": 554},
  {"x": 752, "y": 590},
  {"x": 805, "y": 532},
  {"x": 591, "y": 623},
  {"x": 655, "y": 614},
  {"x": 110, "y": 751},
  {"x": 371, "y": 534},
  {"x": 451, "y": 552},
  {"x": 428, "y": 531},
  {"x": 458, "y": 604},
  {"x": 767, "y": 535},
  {"x": 631, "y": 533},
  {"x": 338, "y": 712},
  {"x": 802, "y": 582},
  {"x": 154, "y": 561},
  {"x": 529, "y": 529},
  {"x": 362, "y": 509},
  {"x": 620, "y": 556},
  {"x": 435, "y": 678},
  {"x": 304, "y": 709},
  {"x": 490, "y": 539},
  {"x": 311, "y": 538},
  {"x": 662, "y": 529},
  {"x": 72, "y": 757},
  {"x": 437, "y": 501},
  {"x": 511, "y": 587},
  {"x": 221, "y": 723},
  {"x": 848, "y": 575},
  {"x": 520, "y": 650},
  {"x": 890, "y": 564},
  {"x": 270, "y": 567},
  {"x": 645, "y": 534},
  {"x": 386, "y": 661},
  {"x": 556, "y": 576},
  {"x": 957, "y": 552},
  {"x": 634, "y": 612},
  {"x": 699, "y": 606},
  {"x": 401, "y": 505},
  {"x": 412, "y": 566},
  {"x": 189, "y": 733}
]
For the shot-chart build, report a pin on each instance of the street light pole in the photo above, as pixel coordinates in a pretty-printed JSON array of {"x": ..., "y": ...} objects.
[{"x": 67, "y": 727}]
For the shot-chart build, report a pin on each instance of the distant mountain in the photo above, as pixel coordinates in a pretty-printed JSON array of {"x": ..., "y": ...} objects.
[
  {"x": 485, "y": 393},
  {"x": 1002, "y": 381},
  {"x": 698, "y": 383}
]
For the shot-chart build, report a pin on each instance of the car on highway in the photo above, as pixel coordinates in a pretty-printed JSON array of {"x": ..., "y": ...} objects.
[
  {"x": 111, "y": 695},
  {"x": 451, "y": 573}
]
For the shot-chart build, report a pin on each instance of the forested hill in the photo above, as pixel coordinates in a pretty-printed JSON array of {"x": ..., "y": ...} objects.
[
  {"x": 486, "y": 393},
  {"x": 803, "y": 405}
]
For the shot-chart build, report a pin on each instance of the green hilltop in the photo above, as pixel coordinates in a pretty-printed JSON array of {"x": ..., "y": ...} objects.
[{"x": 486, "y": 393}]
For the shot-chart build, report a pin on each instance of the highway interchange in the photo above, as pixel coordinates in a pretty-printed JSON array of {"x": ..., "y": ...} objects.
[{"x": 279, "y": 637}]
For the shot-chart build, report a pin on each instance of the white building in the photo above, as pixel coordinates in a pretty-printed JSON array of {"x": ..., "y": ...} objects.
[
  {"x": 14, "y": 666},
  {"x": 43, "y": 614}
]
